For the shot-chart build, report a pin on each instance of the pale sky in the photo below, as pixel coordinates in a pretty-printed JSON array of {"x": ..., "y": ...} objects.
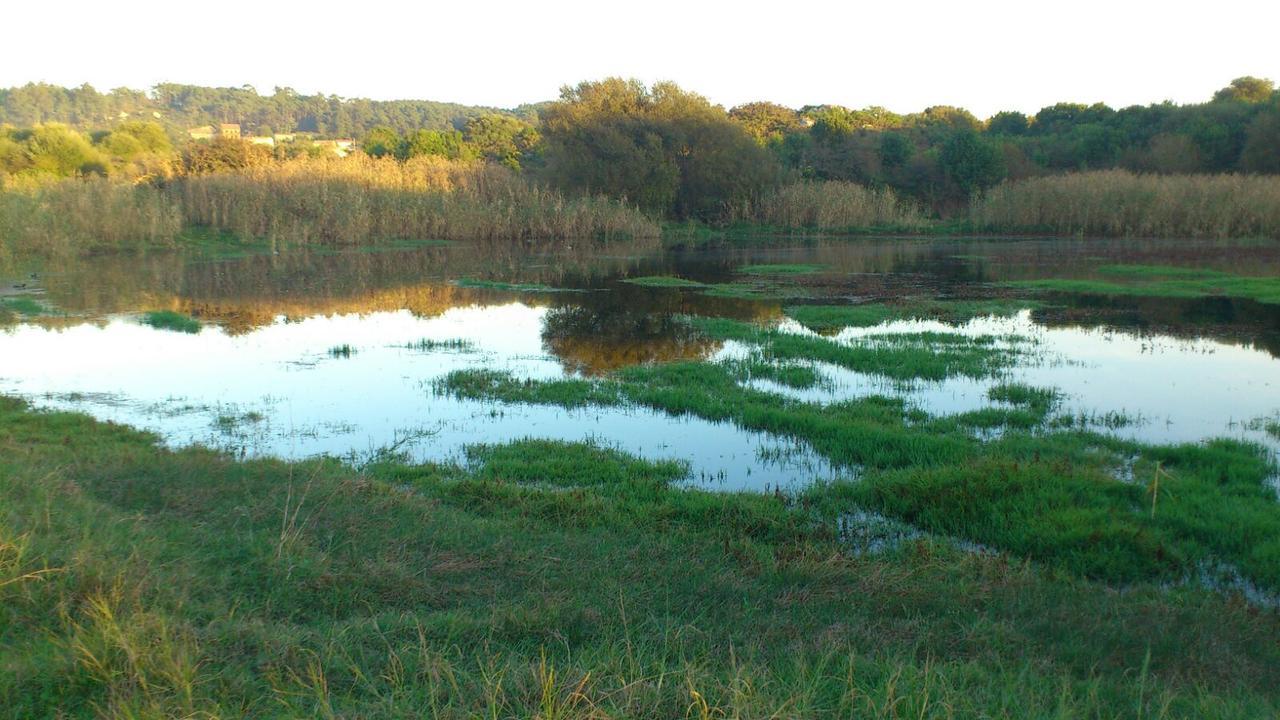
[{"x": 985, "y": 56}]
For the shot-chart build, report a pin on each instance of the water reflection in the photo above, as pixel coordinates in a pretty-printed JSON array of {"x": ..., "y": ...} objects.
[{"x": 259, "y": 376}]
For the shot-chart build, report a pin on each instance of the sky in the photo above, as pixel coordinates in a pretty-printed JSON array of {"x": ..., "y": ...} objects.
[{"x": 984, "y": 56}]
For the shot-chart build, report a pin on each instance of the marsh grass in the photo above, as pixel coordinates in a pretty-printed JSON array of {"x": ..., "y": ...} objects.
[
  {"x": 1039, "y": 489},
  {"x": 171, "y": 320},
  {"x": 151, "y": 583},
  {"x": 342, "y": 351},
  {"x": 354, "y": 201},
  {"x": 1118, "y": 203},
  {"x": 1160, "y": 281},
  {"x": 833, "y": 206},
  {"x": 58, "y": 219},
  {"x": 899, "y": 356},
  {"x": 430, "y": 344},
  {"x": 664, "y": 281}
]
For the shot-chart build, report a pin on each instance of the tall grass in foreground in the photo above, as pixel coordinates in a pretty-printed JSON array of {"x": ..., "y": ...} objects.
[
  {"x": 358, "y": 200},
  {"x": 56, "y": 218},
  {"x": 1124, "y": 204},
  {"x": 833, "y": 205}
]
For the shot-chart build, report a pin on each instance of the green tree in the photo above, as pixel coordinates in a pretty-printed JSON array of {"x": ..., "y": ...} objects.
[
  {"x": 381, "y": 142},
  {"x": 1247, "y": 89},
  {"x": 765, "y": 121},
  {"x": 1008, "y": 123},
  {"x": 1261, "y": 153},
  {"x": 443, "y": 143},
  {"x": 502, "y": 138},
  {"x": 971, "y": 163},
  {"x": 670, "y": 151}
]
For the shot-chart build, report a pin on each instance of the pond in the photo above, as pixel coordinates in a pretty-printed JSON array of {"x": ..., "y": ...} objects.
[{"x": 340, "y": 353}]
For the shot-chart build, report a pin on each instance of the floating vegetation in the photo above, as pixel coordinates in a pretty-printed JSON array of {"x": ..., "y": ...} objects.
[
  {"x": 783, "y": 269},
  {"x": 514, "y": 287},
  {"x": 342, "y": 351},
  {"x": 831, "y": 318},
  {"x": 758, "y": 291},
  {"x": 664, "y": 281},
  {"x": 170, "y": 320}
]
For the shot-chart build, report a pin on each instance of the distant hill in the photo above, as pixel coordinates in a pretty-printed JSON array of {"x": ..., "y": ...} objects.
[{"x": 184, "y": 106}]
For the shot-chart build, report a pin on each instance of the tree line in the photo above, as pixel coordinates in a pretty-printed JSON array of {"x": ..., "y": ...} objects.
[
  {"x": 676, "y": 155},
  {"x": 181, "y": 106}
]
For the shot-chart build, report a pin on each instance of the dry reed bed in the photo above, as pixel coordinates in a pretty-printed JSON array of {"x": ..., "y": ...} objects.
[
  {"x": 1118, "y": 203},
  {"x": 358, "y": 200},
  {"x": 74, "y": 215},
  {"x": 834, "y": 205}
]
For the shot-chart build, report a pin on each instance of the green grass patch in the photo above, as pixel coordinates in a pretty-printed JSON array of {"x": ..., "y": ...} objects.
[
  {"x": 170, "y": 320},
  {"x": 552, "y": 462},
  {"x": 1159, "y": 281},
  {"x": 905, "y": 356}
]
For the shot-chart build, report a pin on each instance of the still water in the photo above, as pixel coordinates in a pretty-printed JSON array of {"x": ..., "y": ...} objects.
[{"x": 261, "y": 377}]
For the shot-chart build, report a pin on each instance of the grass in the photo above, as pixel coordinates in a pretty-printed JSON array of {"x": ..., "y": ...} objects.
[
  {"x": 342, "y": 351},
  {"x": 1051, "y": 496},
  {"x": 171, "y": 320},
  {"x": 664, "y": 281},
  {"x": 1160, "y": 281},
  {"x": 832, "y": 318},
  {"x": 571, "y": 581}
]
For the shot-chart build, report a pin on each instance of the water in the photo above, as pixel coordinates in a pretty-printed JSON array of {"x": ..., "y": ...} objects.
[{"x": 259, "y": 379}]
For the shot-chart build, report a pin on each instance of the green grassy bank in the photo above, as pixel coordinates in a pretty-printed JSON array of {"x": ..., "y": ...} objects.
[{"x": 552, "y": 581}]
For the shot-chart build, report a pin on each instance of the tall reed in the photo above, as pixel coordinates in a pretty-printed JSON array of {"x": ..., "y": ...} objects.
[
  {"x": 357, "y": 200},
  {"x": 52, "y": 219},
  {"x": 833, "y": 205},
  {"x": 1119, "y": 203}
]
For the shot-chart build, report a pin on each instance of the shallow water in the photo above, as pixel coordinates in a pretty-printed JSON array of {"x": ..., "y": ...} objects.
[{"x": 260, "y": 378}]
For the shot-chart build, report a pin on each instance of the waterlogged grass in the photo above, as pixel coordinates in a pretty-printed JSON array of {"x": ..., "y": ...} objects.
[
  {"x": 832, "y": 318},
  {"x": 429, "y": 345},
  {"x": 532, "y": 461},
  {"x": 170, "y": 320},
  {"x": 783, "y": 269},
  {"x": 342, "y": 351},
  {"x": 503, "y": 285},
  {"x": 137, "y": 581},
  {"x": 900, "y": 356},
  {"x": 1159, "y": 281},
  {"x": 1036, "y": 492},
  {"x": 757, "y": 291},
  {"x": 664, "y": 281}
]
